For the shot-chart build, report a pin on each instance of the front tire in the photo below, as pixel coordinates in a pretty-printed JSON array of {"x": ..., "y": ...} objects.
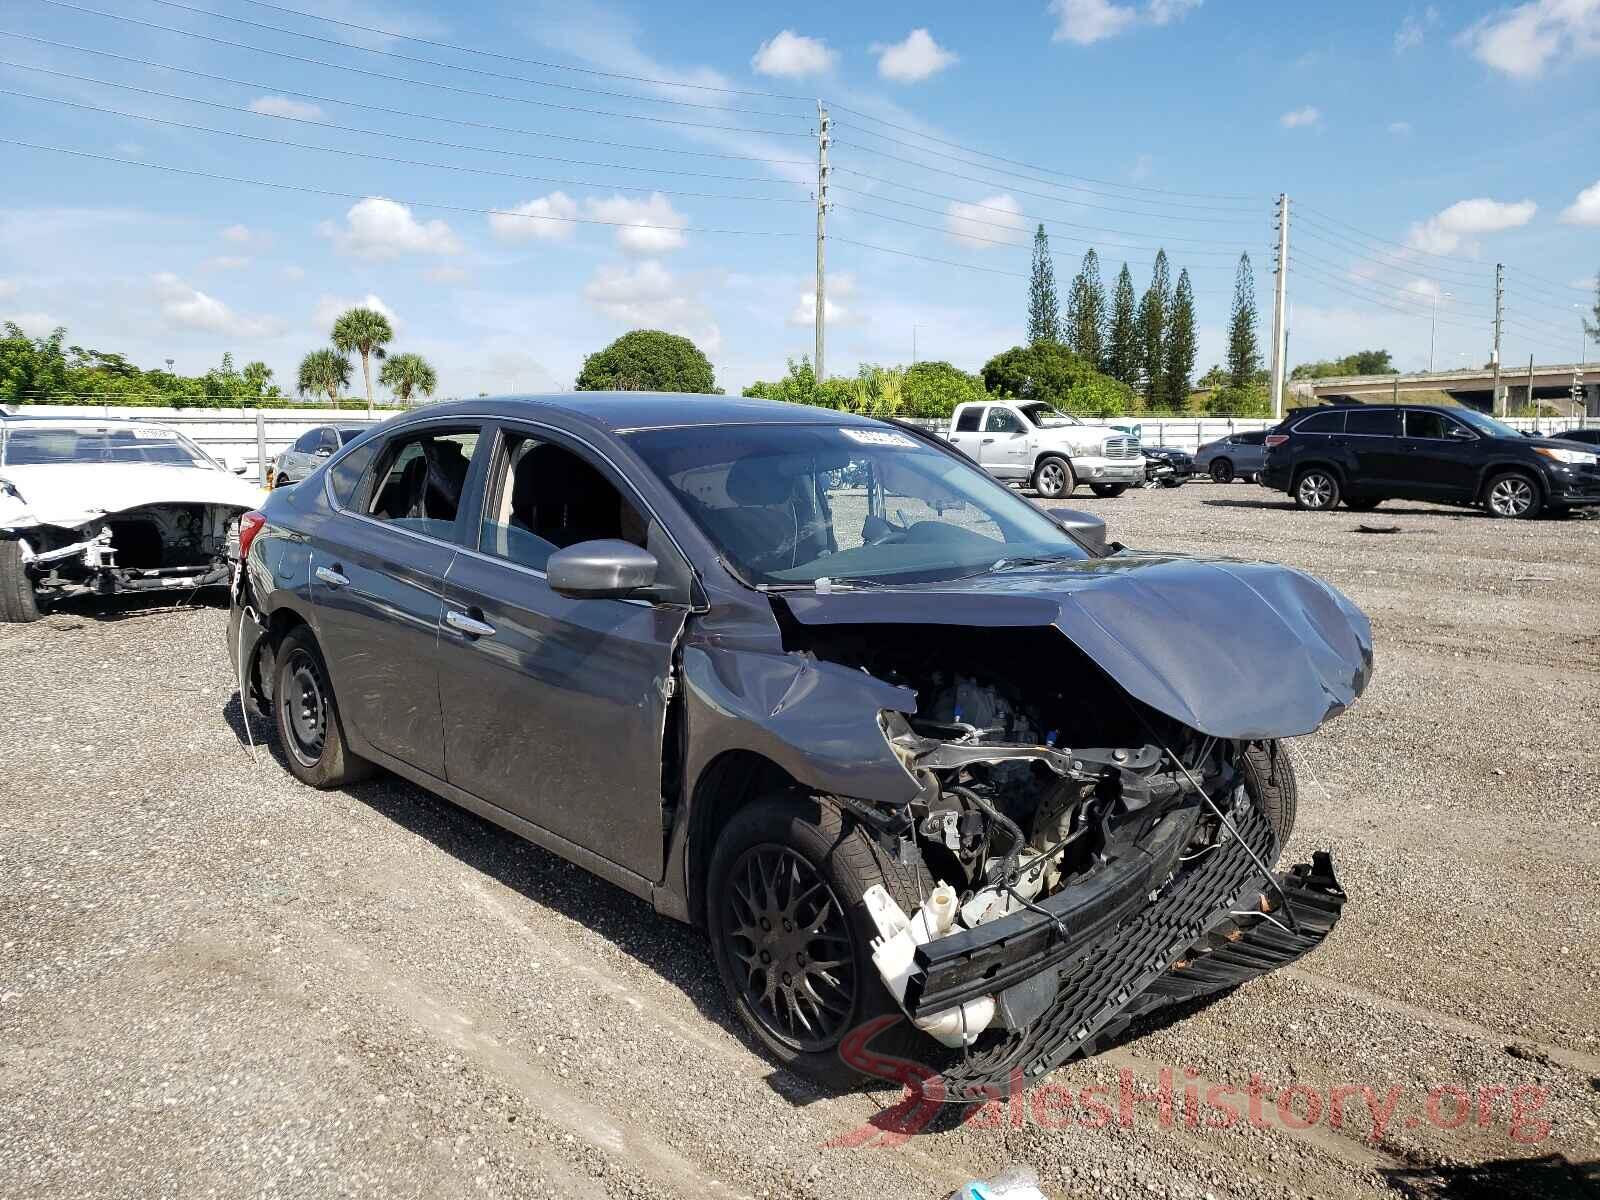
[
  {"x": 792, "y": 937},
  {"x": 307, "y": 717},
  {"x": 19, "y": 604},
  {"x": 1053, "y": 478},
  {"x": 1108, "y": 490},
  {"x": 1513, "y": 496},
  {"x": 1316, "y": 490},
  {"x": 1269, "y": 780},
  {"x": 1222, "y": 471}
]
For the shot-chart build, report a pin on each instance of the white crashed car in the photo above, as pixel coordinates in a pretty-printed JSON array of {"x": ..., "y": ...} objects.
[{"x": 101, "y": 506}]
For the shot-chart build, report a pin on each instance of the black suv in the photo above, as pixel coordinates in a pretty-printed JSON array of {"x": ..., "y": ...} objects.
[{"x": 1365, "y": 454}]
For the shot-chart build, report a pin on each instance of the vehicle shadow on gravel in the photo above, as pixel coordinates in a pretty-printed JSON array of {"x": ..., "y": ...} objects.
[
  {"x": 127, "y": 605},
  {"x": 1552, "y": 1177},
  {"x": 1382, "y": 511}
]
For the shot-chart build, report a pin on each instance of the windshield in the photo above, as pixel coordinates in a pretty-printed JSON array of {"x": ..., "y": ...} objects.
[
  {"x": 791, "y": 504},
  {"x": 1483, "y": 424},
  {"x": 100, "y": 444},
  {"x": 1045, "y": 417}
]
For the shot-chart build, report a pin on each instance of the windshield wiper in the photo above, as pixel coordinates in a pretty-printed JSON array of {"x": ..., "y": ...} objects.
[{"x": 1028, "y": 560}]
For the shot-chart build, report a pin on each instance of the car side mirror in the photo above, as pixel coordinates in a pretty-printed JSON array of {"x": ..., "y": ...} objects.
[
  {"x": 1464, "y": 435},
  {"x": 321, "y": 452},
  {"x": 237, "y": 465},
  {"x": 606, "y": 569},
  {"x": 1085, "y": 527}
]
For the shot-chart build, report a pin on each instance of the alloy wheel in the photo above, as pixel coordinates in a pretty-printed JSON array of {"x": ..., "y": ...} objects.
[
  {"x": 1511, "y": 496},
  {"x": 1051, "y": 479},
  {"x": 787, "y": 934},
  {"x": 305, "y": 709},
  {"x": 1316, "y": 490}
]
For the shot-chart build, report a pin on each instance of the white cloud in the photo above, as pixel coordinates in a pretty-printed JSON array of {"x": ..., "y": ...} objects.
[
  {"x": 1085, "y": 22},
  {"x": 186, "y": 307},
  {"x": 791, "y": 55},
  {"x": 1300, "y": 117},
  {"x": 376, "y": 228},
  {"x": 1443, "y": 232},
  {"x": 227, "y": 262},
  {"x": 329, "y": 308},
  {"x": 546, "y": 219},
  {"x": 282, "y": 106},
  {"x": 647, "y": 295},
  {"x": 445, "y": 274},
  {"x": 649, "y": 226},
  {"x": 8, "y": 289},
  {"x": 1400, "y": 128},
  {"x": 840, "y": 287},
  {"x": 915, "y": 59},
  {"x": 1414, "y": 29},
  {"x": 1585, "y": 210},
  {"x": 1522, "y": 41},
  {"x": 993, "y": 219},
  {"x": 240, "y": 235}
]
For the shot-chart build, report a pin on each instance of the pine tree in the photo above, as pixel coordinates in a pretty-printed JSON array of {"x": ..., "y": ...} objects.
[
  {"x": 1244, "y": 355},
  {"x": 1177, "y": 366},
  {"x": 1044, "y": 323},
  {"x": 1154, "y": 311},
  {"x": 1121, "y": 359},
  {"x": 1086, "y": 311}
]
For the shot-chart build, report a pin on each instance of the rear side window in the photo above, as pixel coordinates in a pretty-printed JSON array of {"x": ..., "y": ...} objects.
[
  {"x": 420, "y": 478},
  {"x": 1254, "y": 438},
  {"x": 967, "y": 422},
  {"x": 1383, "y": 422},
  {"x": 345, "y": 476},
  {"x": 1323, "y": 422}
]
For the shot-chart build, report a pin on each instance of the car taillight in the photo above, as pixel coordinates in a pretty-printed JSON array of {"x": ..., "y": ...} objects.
[
  {"x": 250, "y": 524},
  {"x": 1276, "y": 439}
]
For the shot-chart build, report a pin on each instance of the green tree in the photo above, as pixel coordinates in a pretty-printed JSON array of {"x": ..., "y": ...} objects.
[
  {"x": 1155, "y": 309},
  {"x": 798, "y": 386},
  {"x": 648, "y": 360},
  {"x": 1177, "y": 364},
  {"x": 1593, "y": 329},
  {"x": 256, "y": 380},
  {"x": 933, "y": 389},
  {"x": 363, "y": 331},
  {"x": 1051, "y": 372},
  {"x": 32, "y": 369},
  {"x": 323, "y": 373},
  {"x": 1122, "y": 359},
  {"x": 1362, "y": 362},
  {"x": 1044, "y": 320},
  {"x": 1086, "y": 311},
  {"x": 1244, "y": 352},
  {"x": 405, "y": 374}
]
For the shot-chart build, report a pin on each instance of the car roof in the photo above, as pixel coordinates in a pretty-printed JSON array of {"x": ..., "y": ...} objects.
[
  {"x": 627, "y": 412},
  {"x": 70, "y": 422}
]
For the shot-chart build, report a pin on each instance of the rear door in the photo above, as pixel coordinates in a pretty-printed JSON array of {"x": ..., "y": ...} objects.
[
  {"x": 377, "y": 573},
  {"x": 1441, "y": 454},
  {"x": 554, "y": 709},
  {"x": 1003, "y": 448},
  {"x": 1378, "y": 463},
  {"x": 968, "y": 430}
]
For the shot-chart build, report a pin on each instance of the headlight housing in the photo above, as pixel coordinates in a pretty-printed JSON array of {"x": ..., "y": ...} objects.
[{"x": 1576, "y": 458}]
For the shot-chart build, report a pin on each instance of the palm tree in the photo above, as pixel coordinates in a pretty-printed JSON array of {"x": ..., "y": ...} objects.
[
  {"x": 407, "y": 373},
  {"x": 365, "y": 331},
  {"x": 323, "y": 372}
]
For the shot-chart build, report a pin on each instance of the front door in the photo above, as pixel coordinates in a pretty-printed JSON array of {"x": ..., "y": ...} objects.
[
  {"x": 1442, "y": 455},
  {"x": 376, "y": 579},
  {"x": 1003, "y": 449},
  {"x": 554, "y": 709}
]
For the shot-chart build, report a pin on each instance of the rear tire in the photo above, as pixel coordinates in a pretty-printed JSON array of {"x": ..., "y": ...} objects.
[
  {"x": 1108, "y": 490},
  {"x": 18, "y": 602},
  {"x": 1513, "y": 495},
  {"x": 1269, "y": 780},
  {"x": 1316, "y": 489},
  {"x": 805, "y": 844},
  {"x": 1222, "y": 471},
  {"x": 307, "y": 717},
  {"x": 1053, "y": 478}
]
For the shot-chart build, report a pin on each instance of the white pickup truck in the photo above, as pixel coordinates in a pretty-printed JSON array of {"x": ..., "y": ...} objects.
[{"x": 1028, "y": 441}]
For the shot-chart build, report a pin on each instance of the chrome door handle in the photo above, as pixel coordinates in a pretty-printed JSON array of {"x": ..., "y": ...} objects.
[
  {"x": 986, "y": 441},
  {"x": 470, "y": 626},
  {"x": 332, "y": 578}
]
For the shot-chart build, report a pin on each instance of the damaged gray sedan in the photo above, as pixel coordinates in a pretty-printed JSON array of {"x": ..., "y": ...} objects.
[{"x": 955, "y": 790}]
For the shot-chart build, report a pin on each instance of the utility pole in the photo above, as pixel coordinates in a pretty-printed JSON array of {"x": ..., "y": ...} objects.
[
  {"x": 1499, "y": 312},
  {"x": 1279, "y": 307},
  {"x": 1532, "y": 403},
  {"x": 822, "y": 234}
]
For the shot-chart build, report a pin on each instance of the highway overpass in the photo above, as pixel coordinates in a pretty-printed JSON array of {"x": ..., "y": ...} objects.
[{"x": 1473, "y": 388}]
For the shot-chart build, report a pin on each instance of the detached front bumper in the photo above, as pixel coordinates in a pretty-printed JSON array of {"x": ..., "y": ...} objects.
[
  {"x": 1135, "y": 942},
  {"x": 1109, "y": 470}
]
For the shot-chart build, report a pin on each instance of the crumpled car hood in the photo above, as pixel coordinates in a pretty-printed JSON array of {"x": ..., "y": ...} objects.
[
  {"x": 1231, "y": 648},
  {"x": 73, "y": 494}
]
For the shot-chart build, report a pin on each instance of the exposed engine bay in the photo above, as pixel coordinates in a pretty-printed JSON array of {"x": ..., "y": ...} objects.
[{"x": 139, "y": 549}]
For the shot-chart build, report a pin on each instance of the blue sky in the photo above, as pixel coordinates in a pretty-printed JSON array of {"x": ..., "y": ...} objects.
[{"x": 1419, "y": 145}]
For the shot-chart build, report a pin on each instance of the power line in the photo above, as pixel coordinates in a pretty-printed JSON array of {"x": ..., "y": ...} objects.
[
  {"x": 446, "y": 87},
  {"x": 368, "y": 132},
  {"x": 1321, "y": 233},
  {"x": 404, "y": 162},
  {"x": 949, "y": 174},
  {"x": 429, "y": 62},
  {"x": 1408, "y": 293},
  {"x": 394, "y": 112},
  {"x": 531, "y": 62},
  {"x": 428, "y": 204},
  {"x": 1018, "y": 163},
  {"x": 949, "y": 262}
]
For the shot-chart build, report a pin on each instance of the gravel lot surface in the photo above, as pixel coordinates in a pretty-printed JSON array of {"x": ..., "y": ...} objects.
[{"x": 214, "y": 981}]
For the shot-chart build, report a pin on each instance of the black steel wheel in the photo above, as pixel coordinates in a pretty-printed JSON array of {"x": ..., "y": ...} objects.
[
  {"x": 1222, "y": 471},
  {"x": 1108, "y": 491},
  {"x": 307, "y": 716}
]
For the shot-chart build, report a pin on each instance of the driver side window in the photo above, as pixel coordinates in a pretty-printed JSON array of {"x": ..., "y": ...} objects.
[{"x": 1002, "y": 420}]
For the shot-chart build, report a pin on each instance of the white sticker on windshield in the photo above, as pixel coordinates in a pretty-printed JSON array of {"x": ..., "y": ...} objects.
[
  {"x": 154, "y": 433},
  {"x": 879, "y": 437}
]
